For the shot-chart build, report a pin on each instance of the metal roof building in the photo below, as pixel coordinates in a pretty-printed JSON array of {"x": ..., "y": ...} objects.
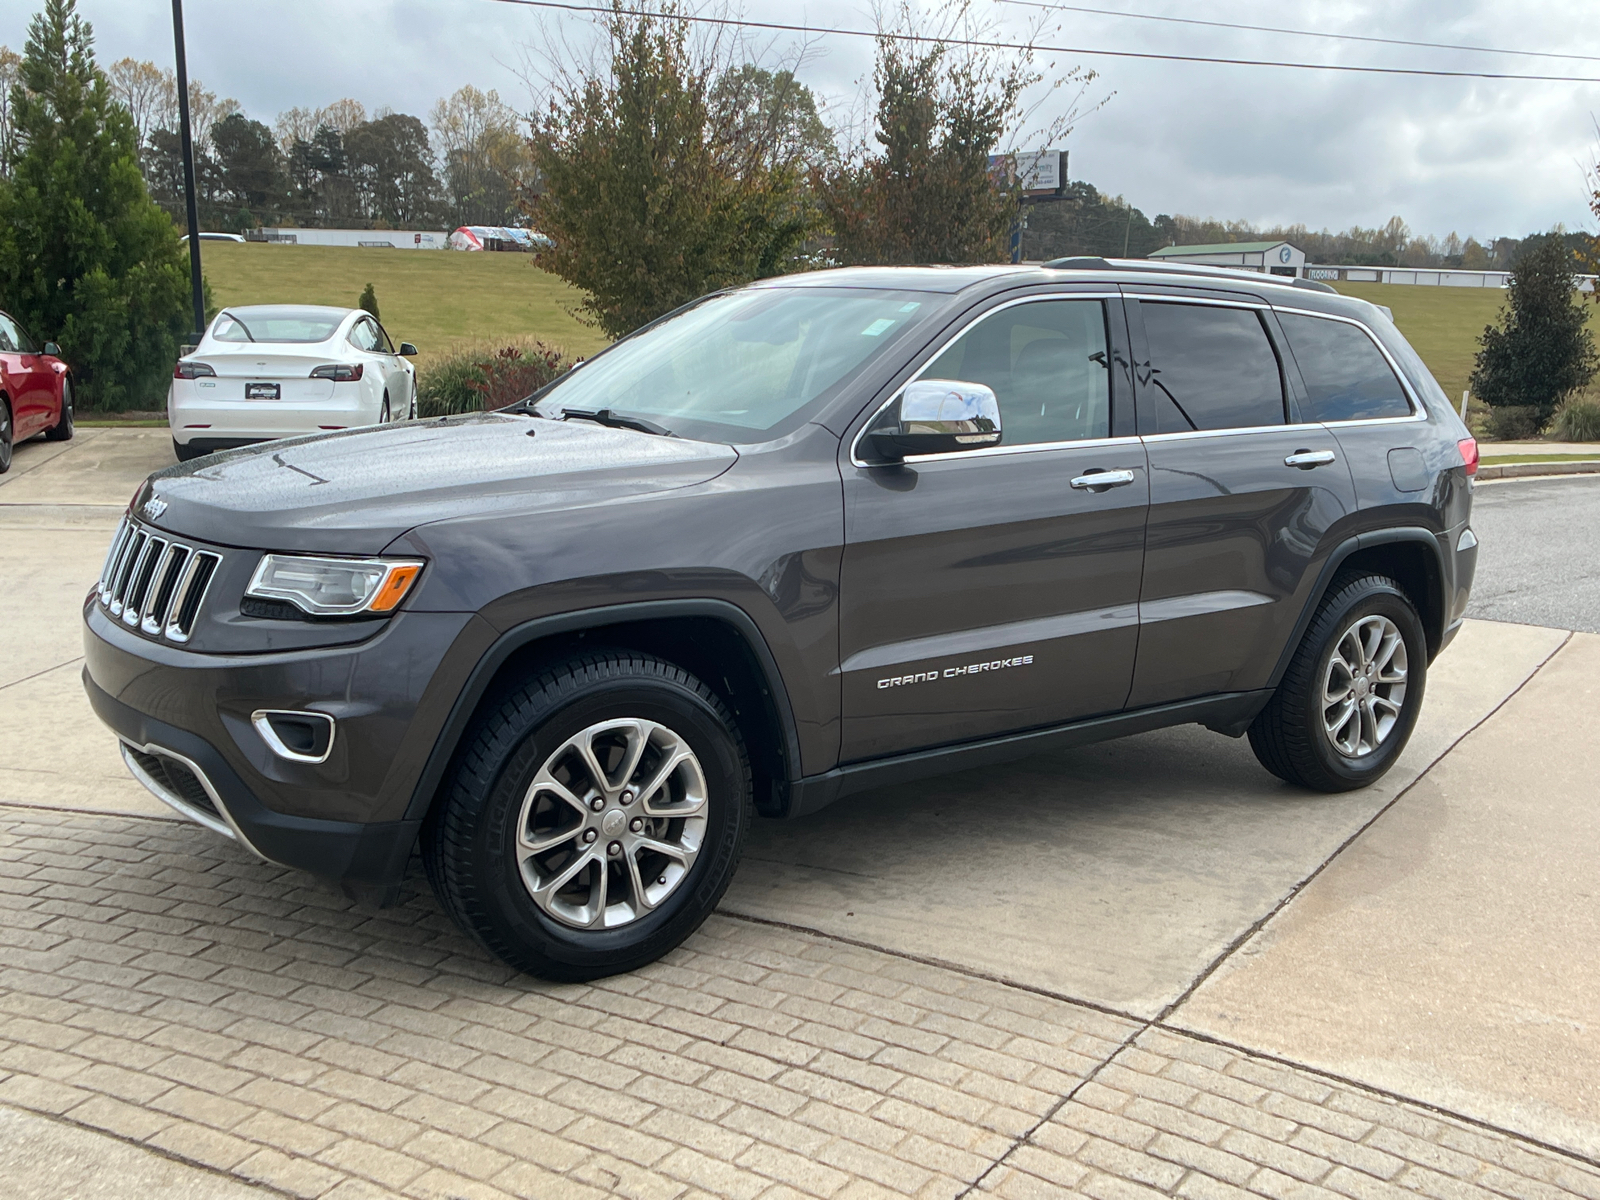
[{"x": 1270, "y": 258}]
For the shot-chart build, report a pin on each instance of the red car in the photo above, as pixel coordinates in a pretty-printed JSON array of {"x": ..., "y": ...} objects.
[{"x": 35, "y": 390}]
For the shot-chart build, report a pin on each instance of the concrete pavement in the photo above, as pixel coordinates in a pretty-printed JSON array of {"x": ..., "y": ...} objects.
[{"x": 1144, "y": 968}]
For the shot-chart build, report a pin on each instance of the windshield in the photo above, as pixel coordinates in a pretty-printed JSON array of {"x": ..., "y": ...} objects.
[
  {"x": 282, "y": 325},
  {"x": 744, "y": 366}
]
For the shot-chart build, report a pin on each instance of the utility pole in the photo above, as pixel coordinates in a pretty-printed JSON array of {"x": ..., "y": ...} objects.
[{"x": 188, "y": 175}]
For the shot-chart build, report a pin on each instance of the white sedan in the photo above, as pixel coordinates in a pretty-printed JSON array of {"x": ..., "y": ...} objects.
[{"x": 268, "y": 371}]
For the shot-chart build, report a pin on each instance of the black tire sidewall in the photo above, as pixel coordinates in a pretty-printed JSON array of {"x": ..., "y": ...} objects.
[
  {"x": 1375, "y": 598},
  {"x": 518, "y": 929},
  {"x": 8, "y": 438}
]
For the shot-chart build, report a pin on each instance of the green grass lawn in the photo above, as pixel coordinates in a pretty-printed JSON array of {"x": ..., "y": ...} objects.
[
  {"x": 1444, "y": 324},
  {"x": 434, "y": 298}
]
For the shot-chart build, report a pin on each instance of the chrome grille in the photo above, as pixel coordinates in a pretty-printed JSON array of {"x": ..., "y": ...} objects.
[{"x": 155, "y": 584}]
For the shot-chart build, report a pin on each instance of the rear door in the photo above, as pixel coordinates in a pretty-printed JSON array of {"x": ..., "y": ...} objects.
[
  {"x": 1244, "y": 497},
  {"x": 984, "y": 592}
]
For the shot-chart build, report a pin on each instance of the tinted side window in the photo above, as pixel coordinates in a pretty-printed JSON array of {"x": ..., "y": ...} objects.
[
  {"x": 1346, "y": 376},
  {"x": 1046, "y": 361},
  {"x": 1212, "y": 368},
  {"x": 8, "y": 334}
]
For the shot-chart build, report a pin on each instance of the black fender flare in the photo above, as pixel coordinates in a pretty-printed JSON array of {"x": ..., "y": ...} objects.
[
  {"x": 518, "y": 636},
  {"x": 1336, "y": 559}
]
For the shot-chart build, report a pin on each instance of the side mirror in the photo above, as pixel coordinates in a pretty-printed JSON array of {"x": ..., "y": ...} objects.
[
  {"x": 407, "y": 350},
  {"x": 52, "y": 349},
  {"x": 935, "y": 416}
]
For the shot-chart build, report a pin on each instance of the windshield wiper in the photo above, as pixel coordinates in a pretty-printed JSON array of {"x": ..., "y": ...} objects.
[{"x": 616, "y": 420}]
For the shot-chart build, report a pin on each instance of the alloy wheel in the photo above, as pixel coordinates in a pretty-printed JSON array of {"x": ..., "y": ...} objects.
[
  {"x": 612, "y": 824},
  {"x": 1364, "y": 686}
]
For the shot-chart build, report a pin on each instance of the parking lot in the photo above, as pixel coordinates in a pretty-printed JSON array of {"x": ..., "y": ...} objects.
[{"x": 1140, "y": 968}]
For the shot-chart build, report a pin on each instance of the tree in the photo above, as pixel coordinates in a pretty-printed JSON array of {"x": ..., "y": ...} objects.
[
  {"x": 249, "y": 167},
  {"x": 927, "y": 192},
  {"x": 369, "y": 301},
  {"x": 10, "y": 66},
  {"x": 1542, "y": 348},
  {"x": 647, "y": 208},
  {"x": 86, "y": 258},
  {"x": 391, "y": 162},
  {"x": 486, "y": 162},
  {"x": 147, "y": 92},
  {"x": 773, "y": 114}
]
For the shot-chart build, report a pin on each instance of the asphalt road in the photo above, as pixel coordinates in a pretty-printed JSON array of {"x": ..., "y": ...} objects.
[{"x": 1539, "y": 552}]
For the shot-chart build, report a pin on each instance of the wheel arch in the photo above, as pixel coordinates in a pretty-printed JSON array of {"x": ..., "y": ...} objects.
[
  {"x": 1411, "y": 556},
  {"x": 714, "y": 640}
]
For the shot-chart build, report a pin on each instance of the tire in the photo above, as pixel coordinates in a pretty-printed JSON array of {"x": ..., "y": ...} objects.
[
  {"x": 383, "y": 413},
  {"x": 511, "y": 776},
  {"x": 1301, "y": 736},
  {"x": 61, "y": 431},
  {"x": 186, "y": 453},
  {"x": 7, "y": 434},
  {"x": 411, "y": 415}
]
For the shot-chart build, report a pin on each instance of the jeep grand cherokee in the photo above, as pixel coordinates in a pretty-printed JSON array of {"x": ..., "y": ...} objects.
[{"x": 793, "y": 541}]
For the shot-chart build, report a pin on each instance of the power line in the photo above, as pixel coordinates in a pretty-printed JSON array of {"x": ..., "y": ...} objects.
[
  {"x": 1310, "y": 33},
  {"x": 984, "y": 44}
]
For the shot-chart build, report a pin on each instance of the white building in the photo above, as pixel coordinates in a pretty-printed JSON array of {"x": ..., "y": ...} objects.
[
  {"x": 1270, "y": 258},
  {"x": 383, "y": 239}
]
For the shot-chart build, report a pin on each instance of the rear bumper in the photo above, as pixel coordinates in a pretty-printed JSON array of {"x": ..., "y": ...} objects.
[{"x": 194, "y": 417}]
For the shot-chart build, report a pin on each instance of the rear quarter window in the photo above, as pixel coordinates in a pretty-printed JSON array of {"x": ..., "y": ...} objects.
[{"x": 1347, "y": 377}]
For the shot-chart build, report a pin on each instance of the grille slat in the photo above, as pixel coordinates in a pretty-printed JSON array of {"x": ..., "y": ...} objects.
[{"x": 154, "y": 584}]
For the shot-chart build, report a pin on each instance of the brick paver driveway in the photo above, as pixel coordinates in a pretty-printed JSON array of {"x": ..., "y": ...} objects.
[
  {"x": 1133, "y": 970},
  {"x": 162, "y": 986}
]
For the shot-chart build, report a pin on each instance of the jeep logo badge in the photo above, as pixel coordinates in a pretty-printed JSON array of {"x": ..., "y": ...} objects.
[{"x": 154, "y": 507}]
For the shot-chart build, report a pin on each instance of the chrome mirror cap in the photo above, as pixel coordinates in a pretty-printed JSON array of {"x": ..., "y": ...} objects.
[{"x": 935, "y": 416}]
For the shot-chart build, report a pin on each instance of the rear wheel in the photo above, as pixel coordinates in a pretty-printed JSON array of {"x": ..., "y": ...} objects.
[
  {"x": 61, "y": 431},
  {"x": 595, "y": 819},
  {"x": 1349, "y": 700},
  {"x": 6, "y": 432},
  {"x": 185, "y": 453}
]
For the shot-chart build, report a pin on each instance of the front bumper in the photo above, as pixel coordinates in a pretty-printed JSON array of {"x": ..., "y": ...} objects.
[{"x": 184, "y": 721}]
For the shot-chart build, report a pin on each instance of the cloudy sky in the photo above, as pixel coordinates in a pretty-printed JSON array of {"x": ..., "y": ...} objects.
[{"x": 1480, "y": 157}]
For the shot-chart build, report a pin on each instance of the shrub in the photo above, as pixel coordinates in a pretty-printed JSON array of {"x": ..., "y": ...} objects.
[
  {"x": 1578, "y": 418},
  {"x": 369, "y": 301},
  {"x": 1515, "y": 422},
  {"x": 484, "y": 378},
  {"x": 1541, "y": 350}
]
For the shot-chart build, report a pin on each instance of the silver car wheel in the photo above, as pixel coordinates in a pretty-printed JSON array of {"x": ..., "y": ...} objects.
[
  {"x": 1364, "y": 686},
  {"x": 611, "y": 824}
]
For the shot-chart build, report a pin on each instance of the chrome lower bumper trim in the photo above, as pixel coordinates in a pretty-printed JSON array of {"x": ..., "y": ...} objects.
[{"x": 225, "y": 825}]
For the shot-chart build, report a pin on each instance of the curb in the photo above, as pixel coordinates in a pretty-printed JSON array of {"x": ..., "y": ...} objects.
[{"x": 1523, "y": 470}]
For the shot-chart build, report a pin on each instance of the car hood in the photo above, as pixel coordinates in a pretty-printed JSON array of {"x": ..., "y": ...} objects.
[{"x": 355, "y": 492}]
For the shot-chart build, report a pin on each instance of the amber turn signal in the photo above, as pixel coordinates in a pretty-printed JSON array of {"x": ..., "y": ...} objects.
[{"x": 394, "y": 588}]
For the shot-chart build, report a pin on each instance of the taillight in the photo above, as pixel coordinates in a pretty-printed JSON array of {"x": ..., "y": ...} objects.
[
  {"x": 191, "y": 370},
  {"x": 338, "y": 372},
  {"x": 1469, "y": 454}
]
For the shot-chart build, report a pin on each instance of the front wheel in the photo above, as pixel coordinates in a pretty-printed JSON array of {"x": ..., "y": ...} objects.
[
  {"x": 61, "y": 431},
  {"x": 595, "y": 819},
  {"x": 1349, "y": 700},
  {"x": 5, "y": 436},
  {"x": 383, "y": 414}
]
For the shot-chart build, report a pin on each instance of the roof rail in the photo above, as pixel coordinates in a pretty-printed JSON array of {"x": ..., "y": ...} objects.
[
  {"x": 1083, "y": 263},
  {"x": 1163, "y": 267}
]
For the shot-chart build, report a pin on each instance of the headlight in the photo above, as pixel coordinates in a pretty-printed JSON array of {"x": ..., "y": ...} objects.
[{"x": 334, "y": 587}]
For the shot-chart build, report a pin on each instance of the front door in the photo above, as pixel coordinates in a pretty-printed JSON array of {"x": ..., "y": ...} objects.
[
  {"x": 30, "y": 381},
  {"x": 1242, "y": 498},
  {"x": 994, "y": 590}
]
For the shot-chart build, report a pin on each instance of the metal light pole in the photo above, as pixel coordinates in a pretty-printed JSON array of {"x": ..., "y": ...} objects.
[{"x": 188, "y": 174}]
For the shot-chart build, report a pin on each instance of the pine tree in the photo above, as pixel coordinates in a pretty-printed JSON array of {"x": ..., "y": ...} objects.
[
  {"x": 369, "y": 301},
  {"x": 1542, "y": 349},
  {"x": 86, "y": 258}
]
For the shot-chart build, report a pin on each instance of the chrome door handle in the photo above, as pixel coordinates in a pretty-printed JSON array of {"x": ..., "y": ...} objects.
[
  {"x": 1103, "y": 479},
  {"x": 1306, "y": 459}
]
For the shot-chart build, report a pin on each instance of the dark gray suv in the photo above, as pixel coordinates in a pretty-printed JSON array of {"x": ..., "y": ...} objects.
[{"x": 793, "y": 541}]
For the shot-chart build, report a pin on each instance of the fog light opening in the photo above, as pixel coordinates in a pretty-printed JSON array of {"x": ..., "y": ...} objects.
[{"x": 305, "y": 737}]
